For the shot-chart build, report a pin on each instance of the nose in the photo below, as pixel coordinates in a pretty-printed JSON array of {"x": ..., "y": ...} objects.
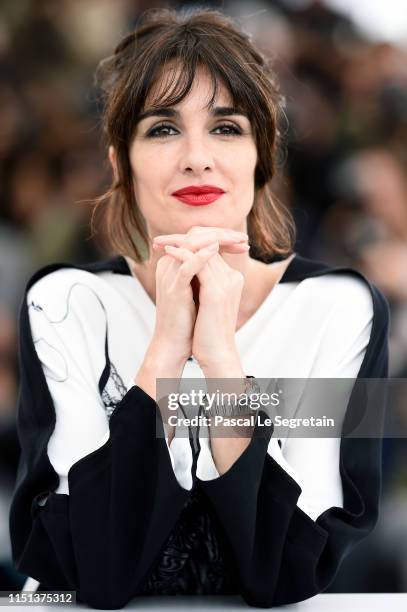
[{"x": 195, "y": 156}]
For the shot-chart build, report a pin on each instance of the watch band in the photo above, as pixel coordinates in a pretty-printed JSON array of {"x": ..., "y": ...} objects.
[{"x": 250, "y": 386}]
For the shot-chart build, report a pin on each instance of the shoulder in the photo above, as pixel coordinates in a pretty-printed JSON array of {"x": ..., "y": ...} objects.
[
  {"x": 347, "y": 309},
  {"x": 77, "y": 297},
  {"x": 53, "y": 288},
  {"x": 46, "y": 280},
  {"x": 346, "y": 294},
  {"x": 343, "y": 288},
  {"x": 58, "y": 278}
]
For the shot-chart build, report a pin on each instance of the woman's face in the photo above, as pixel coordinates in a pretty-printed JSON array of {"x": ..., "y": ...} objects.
[{"x": 195, "y": 147}]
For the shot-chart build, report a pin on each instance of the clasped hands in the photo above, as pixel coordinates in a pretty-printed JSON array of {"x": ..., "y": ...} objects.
[{"x": 206, "y": 332}]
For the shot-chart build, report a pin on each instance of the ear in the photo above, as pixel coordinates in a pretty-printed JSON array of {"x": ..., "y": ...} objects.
[{"x": 113, "y": 161}]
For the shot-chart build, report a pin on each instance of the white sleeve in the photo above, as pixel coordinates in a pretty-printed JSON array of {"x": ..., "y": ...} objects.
[
  {"x": 314, "y": 462},
  {"x": 205, "y": 465},
  {"x": 72, "y": 373}
]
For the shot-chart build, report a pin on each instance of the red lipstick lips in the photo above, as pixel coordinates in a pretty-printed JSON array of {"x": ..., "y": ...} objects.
[{"x": 198, "y": 195}]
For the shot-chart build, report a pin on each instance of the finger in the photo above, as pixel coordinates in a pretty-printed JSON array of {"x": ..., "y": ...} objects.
[
  {"x": 203, "y": 230},
  {"x": 198, "y": 240},
  {"x": 192, "y": 263},
  {"x": 240, "y": 247},
  {"x": 185, "y": 255},
  {"x": 216, "y": 270},
  {"x": 170, "y": 268},
  {"x": 220, "y": 264},
  {"x": 194, "y": 243},
  {"x": 179, "y": 253}
]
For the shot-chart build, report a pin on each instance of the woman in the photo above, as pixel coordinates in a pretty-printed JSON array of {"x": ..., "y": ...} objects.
[{"x": 102, "y": 504}]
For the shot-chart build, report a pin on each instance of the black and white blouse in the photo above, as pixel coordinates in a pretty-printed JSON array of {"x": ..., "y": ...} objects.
[{"x": 105, "y": 507}]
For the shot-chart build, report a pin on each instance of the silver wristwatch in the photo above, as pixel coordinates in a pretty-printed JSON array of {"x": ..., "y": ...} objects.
[{"x": 250, "y": 387}]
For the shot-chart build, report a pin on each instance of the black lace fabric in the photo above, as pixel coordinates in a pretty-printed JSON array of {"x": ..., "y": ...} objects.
[{"x": 192, "y": 561}]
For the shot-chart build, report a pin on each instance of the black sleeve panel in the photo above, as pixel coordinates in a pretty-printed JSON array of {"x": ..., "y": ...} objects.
[
  {"x": 280, "y": 554},
  {"x": 102, "y": 539}
]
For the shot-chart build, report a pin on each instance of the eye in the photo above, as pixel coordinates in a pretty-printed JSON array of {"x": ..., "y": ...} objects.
[
  {"x": 228, "y": 129},
  {"x": 233, "y": 129},
  {"x": 157, "y": 132}
]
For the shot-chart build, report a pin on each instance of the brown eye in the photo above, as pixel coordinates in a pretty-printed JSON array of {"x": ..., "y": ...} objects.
[
  {"x": 159, "y": 131},
  {"x": 232, "y": 130}
]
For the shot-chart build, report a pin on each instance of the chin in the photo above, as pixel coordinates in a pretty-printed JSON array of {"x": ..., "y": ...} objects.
[
  {"x": 204, "y": 218},
  {"x": 185, "y": 225}
]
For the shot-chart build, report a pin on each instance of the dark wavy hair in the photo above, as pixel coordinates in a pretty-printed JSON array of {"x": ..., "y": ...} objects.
[{"x": 192, "y": 37}]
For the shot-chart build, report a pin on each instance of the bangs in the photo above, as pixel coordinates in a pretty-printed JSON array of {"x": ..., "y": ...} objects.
[
  {"x": 172, "y": 77},
  {"x": 177, "y": 83}
]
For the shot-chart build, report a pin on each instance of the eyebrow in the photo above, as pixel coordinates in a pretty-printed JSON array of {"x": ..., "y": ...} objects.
[{"x": 217, "y": 111}]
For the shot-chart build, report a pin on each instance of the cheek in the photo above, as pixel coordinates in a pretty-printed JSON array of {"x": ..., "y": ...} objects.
[
  {"x": 151, "y": 166},
  {"x": 244, "y": 165},
  {"x": 145, "y": 173}
]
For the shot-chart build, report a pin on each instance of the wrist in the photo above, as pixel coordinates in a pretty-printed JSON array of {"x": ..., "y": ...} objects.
[
  {"x": 227, "y": 365},
  {"x": 156, "y": 367},
  {"x": 163, "y": 364}
]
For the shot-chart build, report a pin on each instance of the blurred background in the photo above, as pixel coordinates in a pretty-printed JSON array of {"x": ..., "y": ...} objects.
[{"x": 342, "y": 65}]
